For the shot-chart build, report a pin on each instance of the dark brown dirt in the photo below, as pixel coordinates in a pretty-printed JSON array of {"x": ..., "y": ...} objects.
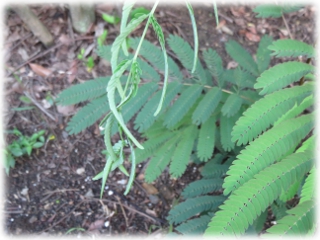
[{"x": 52, "y": 191}]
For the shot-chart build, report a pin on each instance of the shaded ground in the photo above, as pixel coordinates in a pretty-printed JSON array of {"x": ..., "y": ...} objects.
[{"x": 52, "y": 192}]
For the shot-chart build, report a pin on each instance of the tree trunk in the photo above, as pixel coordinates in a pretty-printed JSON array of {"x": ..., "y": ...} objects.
[
  {"x": 82, "y": 17},
  {"x": 34, "y": 24}
]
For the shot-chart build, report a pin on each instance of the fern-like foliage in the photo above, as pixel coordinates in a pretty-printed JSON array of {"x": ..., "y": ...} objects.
[
  {"x": 291, "y": 48},
  {"x": 182, "y": 105},
  {"x": 185, "y": 53},
  {"x": 299, "y": 221},
  {"x": 193, "y": 206},
  {"x": 202, "y": 187},
  {"x": 154, "y": 55},
  {"x": 88, "y": 115},
  {"x": 207, "y": 106},
  {"x": 83, "y": 92},
  {"x": 247, "y": 202},
  {"x": 162, "y": 158},
  {"x": 282, "y": 75},
  {"x": 307, "y": 192},
  {"x": 146, "y": 117},
  {"x": 266, "y": 149},
  {"x": 195, "y": 226},
  {"x": 260, "y": 115},
  {"x": 240, "y": 55},
  {"x": 133, "y": 106},
  {"x": 214, "y": 64},
  {"x": 226, "y": 125},
  {"x": 206, "y": 140},
  {"x": 232, "y": 105},
  {"x": 264, "y": 53},
  {"x": 274, "y": 11},
  {"x": 181, "y": 155}
]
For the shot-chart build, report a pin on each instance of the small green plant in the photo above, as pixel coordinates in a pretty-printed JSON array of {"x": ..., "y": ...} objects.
[
  {"x": 22, "y": 146},
  {"x": 89, "y": 62}
]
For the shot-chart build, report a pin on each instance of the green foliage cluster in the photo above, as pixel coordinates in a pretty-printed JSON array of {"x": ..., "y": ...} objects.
[
  {"x": 22, "y": 146},
  {"x": 251, "y": 127}
]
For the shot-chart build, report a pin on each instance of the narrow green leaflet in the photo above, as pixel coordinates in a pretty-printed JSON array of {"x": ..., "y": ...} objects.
[
  {"x": 291, "y": 48},
  {"x": 133, "y": 170},
  {"x": 263, "y": 53},
  {"x": 275, "y": 11},
  {"x": 111, "y": 94},
  {"x": 121, "y": 38},
  {"x": 206, "y": 140},
  {"x": 126, "y": 9},
  {"x": 242, "y": 56},
  {"x": 282, "y": 75},
  {"x": 195, "y": 36},
  {"x": 159, "y": 33},
  {"x": 232, "y": 105},
  {"x": 207, "y": 106}
]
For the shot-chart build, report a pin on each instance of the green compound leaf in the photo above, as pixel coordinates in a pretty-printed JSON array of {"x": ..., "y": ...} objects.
[
  {"x": 82, "y": 92},
  {"x": 161, "y": 159},
  {"x": 242, "y": 56},
  {"x": 202, "y": 187},
  {"x": 182, "y": 105},
  {"x": 269, "y": 147},
  {"x": 274, "y": 11},
  {"x": 308, "y": 190},
  {"x": 207, "y": 106},
  {"x": 206, "y": 140},
  {"x": 181, "y": 154},
  {"x": 264, "y": 112},
  {"x": 249, "y": 201},
  {"x": 281, "y": 76},
  {"x": 193, "y": 206},
  {"x": 264, "y": 53},
  {"x": 299, "y": 221},
  {"x": 145, "y": 117},
  {"x": 232, "y": 105},
  {"x": 291, "y": 48}
]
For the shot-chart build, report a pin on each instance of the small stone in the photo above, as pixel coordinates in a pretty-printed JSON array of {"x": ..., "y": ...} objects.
[
  {"x": 106, "y": 224},
  {"x": 110, "y": 192},
  {"x": 89, "y": 194},
  {"x": 24, "y": 191},
  {"x": 32, "y": 219},
  {"x": 80, "y": 170},
  {"x": 154, "y": 199},
  {"x": 122, "y": 181}
]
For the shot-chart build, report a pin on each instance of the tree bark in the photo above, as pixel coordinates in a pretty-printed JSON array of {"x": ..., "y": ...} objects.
[
  {"x": 34, "y": 24},
  {"x": 82, "y": 17}
]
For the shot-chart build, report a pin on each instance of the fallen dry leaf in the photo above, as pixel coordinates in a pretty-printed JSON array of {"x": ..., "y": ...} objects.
[
  {"x": 96, "y": 225},
  {"x": 65, "y": 39},
  {"x": 73, "y": 71},
  {"x": 66, "y": 110},
  {"x": 232, "y": 64},
  {"x": 252, "y": 37},
  {"x": 39, "y": 70},
  {"x": 150, "y": 188},
  {"x": 238, "y": 11}
]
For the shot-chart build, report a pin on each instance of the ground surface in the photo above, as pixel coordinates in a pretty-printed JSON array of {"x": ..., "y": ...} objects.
[{"x": 52, "y": 191}]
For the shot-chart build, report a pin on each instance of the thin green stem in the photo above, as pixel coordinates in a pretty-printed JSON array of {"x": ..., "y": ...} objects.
[{"x": 145, "y": 30}]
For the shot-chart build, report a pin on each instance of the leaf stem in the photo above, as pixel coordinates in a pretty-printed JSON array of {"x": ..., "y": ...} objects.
[{"x": 145, "y": 30}]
